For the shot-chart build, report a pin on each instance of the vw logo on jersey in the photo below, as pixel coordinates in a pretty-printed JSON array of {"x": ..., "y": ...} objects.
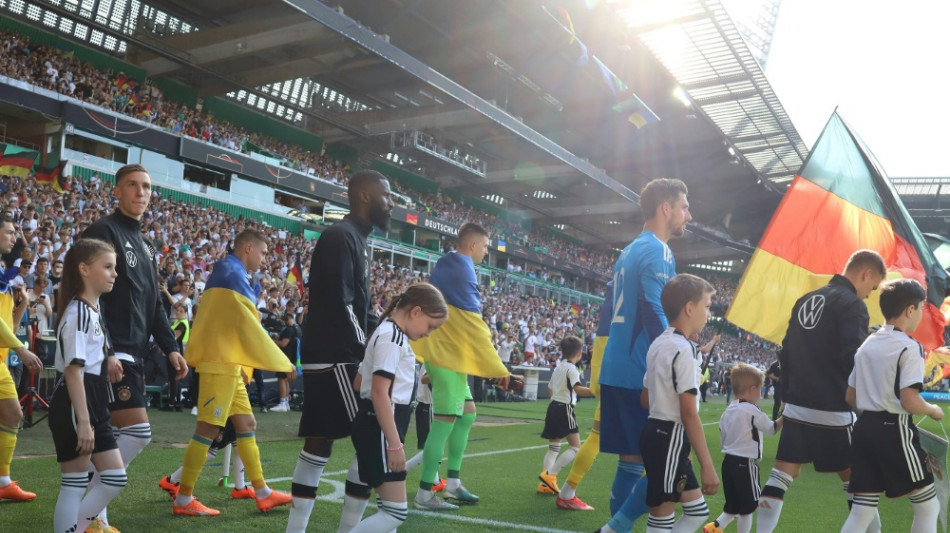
[
  {"x": 131, "y": 258},
  {"x": 809, "y": 314}
]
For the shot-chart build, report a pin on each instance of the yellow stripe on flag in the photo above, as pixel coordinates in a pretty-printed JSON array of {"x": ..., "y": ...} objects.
[
  {"x": 768, "y": 292},
  {"x": 936, "y": 367},
  {"x": 462, "y": 344}
]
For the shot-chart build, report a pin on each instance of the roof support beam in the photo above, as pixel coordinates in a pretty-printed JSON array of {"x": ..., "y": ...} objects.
[
  {"x": 613, "y": 208},
  {"x": 303, "y": 67},
  {"x": 726, "y": 97},
  {"x": 409, "y": 64},
  {"x": 225, "y": 42},
  {"x": 716, "y": 82},
  {"x": 415, "y": 118}
]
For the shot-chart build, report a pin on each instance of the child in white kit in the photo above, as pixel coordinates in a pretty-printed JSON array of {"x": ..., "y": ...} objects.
[{"x": 741, "y": 428}]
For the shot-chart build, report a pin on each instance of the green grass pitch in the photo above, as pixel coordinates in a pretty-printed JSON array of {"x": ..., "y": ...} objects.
[{"x": 505, "y": 457}]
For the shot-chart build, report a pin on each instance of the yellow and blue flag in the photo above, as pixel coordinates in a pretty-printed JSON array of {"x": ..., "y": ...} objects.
[
  {"x": 463, "y": 343},
  {"x": 227, "y": 333}
]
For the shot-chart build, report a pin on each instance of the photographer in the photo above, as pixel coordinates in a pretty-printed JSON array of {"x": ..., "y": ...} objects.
[
  {"x": 270, "y": 319},
  {"x": 41, "y": 304}
]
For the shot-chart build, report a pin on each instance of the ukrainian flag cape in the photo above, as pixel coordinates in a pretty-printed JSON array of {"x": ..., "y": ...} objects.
[
  {"x": 227, "y": 332},
  {"x": 463, "y": 343}
]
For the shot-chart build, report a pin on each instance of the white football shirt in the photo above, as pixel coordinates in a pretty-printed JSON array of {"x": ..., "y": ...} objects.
[
  {"x": 563, "y": 379},
  {"x": 388, "y": 354},
  {"x": 673, "y": 368},
  {"x": 741, "y": 428},
  {"x": 888, "y": 361},
  {"x": 81, "y": 339}
]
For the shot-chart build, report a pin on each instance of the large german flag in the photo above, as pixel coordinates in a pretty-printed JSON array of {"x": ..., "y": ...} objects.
[{"x": 841, "y": 202}]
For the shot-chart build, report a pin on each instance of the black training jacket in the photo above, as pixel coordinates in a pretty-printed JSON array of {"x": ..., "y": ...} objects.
[
  {"x": 826, "y": 328},
  {"x": 133, "y": 310},
  {"x": 338, "y": 319}
]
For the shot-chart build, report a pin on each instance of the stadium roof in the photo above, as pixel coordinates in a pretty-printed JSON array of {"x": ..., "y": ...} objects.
[
  {"x": 561, "y": 113},
  {"x": 704, "y": 51},
  {"x": 928, "y": 201}
]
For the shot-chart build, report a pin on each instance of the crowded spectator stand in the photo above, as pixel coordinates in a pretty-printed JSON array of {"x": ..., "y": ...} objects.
[
  {"x": 58, "y": 70},
  {"x": 189, "y": 238}
]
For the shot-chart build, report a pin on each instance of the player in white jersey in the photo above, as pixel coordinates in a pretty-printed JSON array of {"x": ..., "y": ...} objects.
[
  {"x": 386, "y": 379},
  {"x": 79, "y": 410},
  {"x": 741, "y": 428},
  {"x": 884, "y": 388},
  {"x": 560, "y": 422}
]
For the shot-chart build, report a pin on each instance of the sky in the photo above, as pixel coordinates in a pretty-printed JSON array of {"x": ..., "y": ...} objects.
[{"x": 884, "y": 63}]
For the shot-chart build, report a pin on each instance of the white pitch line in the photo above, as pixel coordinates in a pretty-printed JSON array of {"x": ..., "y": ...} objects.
[
  {"x": 455, "y": 517},
  {"x": 469, "y": 519},
  {"x": 467, "y": 456},
  {"x": 487, "y": 522}
]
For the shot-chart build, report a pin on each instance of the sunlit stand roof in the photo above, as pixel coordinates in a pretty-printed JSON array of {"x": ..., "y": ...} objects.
[{"x": 700, "y": 45}]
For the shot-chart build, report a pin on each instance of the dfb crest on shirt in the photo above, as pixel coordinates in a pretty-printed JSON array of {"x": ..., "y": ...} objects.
[
  {"x": 149, "y": 249},
  {"x": 809, "y": 314},
  {"x": 98, "y": 331}
]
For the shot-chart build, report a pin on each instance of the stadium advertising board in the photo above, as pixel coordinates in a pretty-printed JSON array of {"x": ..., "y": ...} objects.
[
  {"x": 95, "y": 119},
  {"x": 27, "y": 96},
  {"x": 89, "y": 118},
  {"x": 260, "y": 171}
]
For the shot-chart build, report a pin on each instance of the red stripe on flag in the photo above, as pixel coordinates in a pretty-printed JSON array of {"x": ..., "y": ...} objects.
[
  {"x": 818, "y": 230},
  {"x": 929, "y": 332},
  {"x": 21, "y": 160}
]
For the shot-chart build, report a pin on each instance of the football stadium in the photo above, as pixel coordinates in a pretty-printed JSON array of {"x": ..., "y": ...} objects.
[{"x": 485, "y": 265}]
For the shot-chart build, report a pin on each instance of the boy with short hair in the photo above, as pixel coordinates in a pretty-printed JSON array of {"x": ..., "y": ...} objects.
[
  {"x": 884, "y": 388},
  {"x": 740, "y": 428},
  {"x": 670, "y": 390},
  {"x": 560, "y": 422}
]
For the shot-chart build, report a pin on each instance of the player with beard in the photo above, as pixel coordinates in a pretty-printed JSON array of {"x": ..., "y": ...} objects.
[
  {"x": 642, "y": 270},
  {"x": 333, "y": 344}
]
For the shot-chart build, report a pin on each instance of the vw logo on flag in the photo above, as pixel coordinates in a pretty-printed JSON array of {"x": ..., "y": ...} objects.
[{"x": 809, "y": 314}]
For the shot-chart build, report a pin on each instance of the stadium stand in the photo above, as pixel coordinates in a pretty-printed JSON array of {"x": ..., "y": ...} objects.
[{"x": 57, "y": 70}]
